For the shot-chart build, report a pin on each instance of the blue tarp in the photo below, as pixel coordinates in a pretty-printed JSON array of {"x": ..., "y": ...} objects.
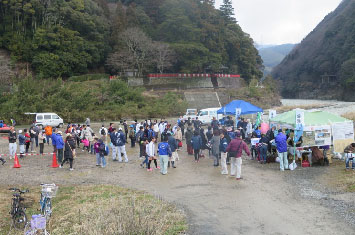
[{"x": 247, "y": 108}]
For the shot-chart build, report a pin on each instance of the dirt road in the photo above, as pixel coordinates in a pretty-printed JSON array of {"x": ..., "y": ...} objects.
[{"x": 264, "y": 202}]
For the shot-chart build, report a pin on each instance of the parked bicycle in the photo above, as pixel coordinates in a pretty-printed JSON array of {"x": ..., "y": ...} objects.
[
  {"x": 37, "y": 226},
  {"x": 18, "y": 209},
  {"x": 47, "y": 193}
]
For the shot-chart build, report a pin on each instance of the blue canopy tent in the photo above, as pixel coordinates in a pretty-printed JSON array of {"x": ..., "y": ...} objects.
[{"x": 247, "y": 108}]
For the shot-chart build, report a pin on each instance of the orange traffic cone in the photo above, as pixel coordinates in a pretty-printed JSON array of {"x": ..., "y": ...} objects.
[
  {"x": 16, "y": 162},
  {"x": 54, "y": 161}
]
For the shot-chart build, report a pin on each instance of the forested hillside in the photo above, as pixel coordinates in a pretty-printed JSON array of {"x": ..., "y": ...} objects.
[
  {"x": 323, "y": 64},
  {"x": 61, "y": 38}
]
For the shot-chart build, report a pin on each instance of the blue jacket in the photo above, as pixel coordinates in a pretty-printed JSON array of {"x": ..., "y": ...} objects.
[
  {"x": 59, "y": 142},
  {"x": 21, "y": 139},
  {"x": 120, "y": 139},
  {"x": 54, "y": 137},
  {"x": 258, "y": 133},
  {"x": 172, "y": 143},
  {"x": 196, "y": 142},
  {"x": 164, "y": 149},
  {"x": 231, "y": 134},
  {"x": 223, "y": 144},
  {"x": 281, "y": 143},
  {"x": 113, "y": 137}
]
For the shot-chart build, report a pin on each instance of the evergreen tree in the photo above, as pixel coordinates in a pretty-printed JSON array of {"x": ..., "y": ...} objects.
[{"x": 227, "y": 11}]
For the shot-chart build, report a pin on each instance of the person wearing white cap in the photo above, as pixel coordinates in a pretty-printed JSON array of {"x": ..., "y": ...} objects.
[
  {"x": 12, "y": 142},
  {"x": 120, "y": 142}
]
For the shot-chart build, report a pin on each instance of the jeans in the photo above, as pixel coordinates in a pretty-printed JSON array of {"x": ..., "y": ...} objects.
[
  {"x": 197, "y": 154},
  {"x": 36, "y": 139},
  {"x": 91, "y": 148},
  {"x": 60, "y": 155},
  {"x": 32, "y": 143},
  {"x": 263, "y": 153},
  {"x": 349, "y": 157},
  {"x": 48, "y": 137},
  {"x": 146, "y": 161},
  {"x": 103, "y": 160},
  {"x": 98, "y": 159},
  {"x": 12, "y": 149},
  {"x": 133, "y": 142},
  {"x": 236, "y": 164},
  {"x": 254, "y": 152},
  {"x": 216, "y": 159},
  {"x": 114, "y": 152},
  {"x": 164, "y": 159},
  {"x": 224, "y": 170},
  {"x": 22, "y": 148},
  {"x": 41, "y": 147},
  {"x": 122, "y": 149},
  {"x": 283, "y": 161}
]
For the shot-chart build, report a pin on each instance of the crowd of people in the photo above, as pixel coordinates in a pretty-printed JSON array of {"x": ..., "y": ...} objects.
[{"x": 223, "y": 141}]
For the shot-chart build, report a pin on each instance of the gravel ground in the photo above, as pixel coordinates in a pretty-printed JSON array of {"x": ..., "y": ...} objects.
[{"x": 332, "y": 106}]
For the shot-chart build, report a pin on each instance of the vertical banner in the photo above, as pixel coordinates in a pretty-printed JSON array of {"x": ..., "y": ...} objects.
[
  {"x": 299, "y": 124},
  {"x": 238, "y": 112},
  {"x": 272, "y": 113}
]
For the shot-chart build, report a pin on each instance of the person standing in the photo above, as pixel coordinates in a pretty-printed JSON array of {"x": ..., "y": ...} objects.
[
  {"x": 125, "y": 126},
  {"x": 48, "y": 130},
  {"x": 215, "y": 143},
  {"x": 113, "y": 137},
  {"x": 349, "y": 156},
  {"x": 60, "y": 146},
  {"x": 263, "y": 144},
  {"x": 223, "y": 144},
  {"x": 235, "y": 149},
  {"x": 150, "y": 150},
  {"x": 156, "y": 129},
  {"x": 139, "y": 138},
  {"x": 121, "y": 143},
  {"x": 188, "y": 137},
  {"x": 103, "y": 132},
  {"x": 12, "y": 142},
  {"x": 21, "y": 142},
  {"x": 132, "y": 136},
  {"x": 178, "y": 137},
  {"x": 41, "y": 139},
  {"x": 69, "y": 151},
  {"x": 27, "y": 140},
  {"x": 281, "y": 144},
  {"x": 164, "y": 154},
  {"x": 196, "y": 145},
  {"x": 87, "y": 122},
  {"x": 33, "y": 137},
  {"x": 173, "y": 147},
  {"x": 54, "y": 141}
]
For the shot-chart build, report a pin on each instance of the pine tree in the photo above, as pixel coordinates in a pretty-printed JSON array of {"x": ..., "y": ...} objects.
[{"x": 227, "y": 10}]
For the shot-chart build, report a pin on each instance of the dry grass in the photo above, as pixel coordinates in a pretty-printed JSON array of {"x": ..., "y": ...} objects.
[
  {"x": 341, "y": 179},
  {"x": 350, "y": 116},
  {"x": 286, "y": 108},
  {"x": 93, "y": 210}
]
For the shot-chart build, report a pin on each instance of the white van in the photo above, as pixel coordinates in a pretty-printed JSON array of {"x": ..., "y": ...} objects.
[
  {"x": 47, "y": 119},
  {"x": 206, "y": 115}
]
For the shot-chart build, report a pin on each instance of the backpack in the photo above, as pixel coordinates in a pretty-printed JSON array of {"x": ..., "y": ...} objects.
[{"x": 103, "y": 132}]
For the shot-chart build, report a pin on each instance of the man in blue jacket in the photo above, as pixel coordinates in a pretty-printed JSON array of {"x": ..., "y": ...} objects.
[
  {"x": 60, "y": 146},
  {"x": 113, "y": 137},
  {"x": 121, "y": 144},
  {"x": 173, "y": 147},
  {"x": 164, "y": 154},
  {"x": 281, "y": 144}
]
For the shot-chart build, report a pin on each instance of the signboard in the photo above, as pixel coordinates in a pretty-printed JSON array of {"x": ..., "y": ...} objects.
[
  {"x": 238, "y": 112},
  {"x": 317, "y": 135},
  {"x": 299, "y": 117},
  {"x": 272, "y": 113},
  {"x": 254, "y": 141},
  {"x": 343, "y": 131}
]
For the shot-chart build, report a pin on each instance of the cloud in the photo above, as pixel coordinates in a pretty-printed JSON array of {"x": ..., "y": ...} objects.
[{"x": 280, "y": 21}]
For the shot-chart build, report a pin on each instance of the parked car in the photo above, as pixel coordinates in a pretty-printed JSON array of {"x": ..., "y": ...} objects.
[
  {"x": 47, "y": 119},
  {"x": 206, "y": 115},
  {"x": 190, "y": 113}
]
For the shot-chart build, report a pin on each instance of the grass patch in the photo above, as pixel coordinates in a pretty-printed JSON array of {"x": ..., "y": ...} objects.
[
  {"x": 101, "y": 209},
  {"x": 349, "y": 115},
  {"x": 341, "y": 179}
]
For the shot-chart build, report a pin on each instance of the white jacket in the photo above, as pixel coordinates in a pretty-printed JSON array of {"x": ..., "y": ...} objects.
[{"x": 150, "y": 149}]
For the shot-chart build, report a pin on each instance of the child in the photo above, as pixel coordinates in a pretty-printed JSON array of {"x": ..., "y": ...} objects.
[
  {"x": 254, "y": 141},
  {"x": 86, "y": 144},
  {"x": 144, "y": 152},
  {"x": 42, "y": 141},
  {"x": 102, "y": 152},
  {"x": 150, "y": 149},
  {"x": 97, "y": 151},
  {"x": 21, "y": 142},
  {"x": 27, "y": 139}
]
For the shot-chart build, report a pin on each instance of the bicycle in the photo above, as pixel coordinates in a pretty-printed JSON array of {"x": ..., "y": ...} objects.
[
  {"x": 37, "y": 226},
  {"x": 47, "y": 193},
  {"x": 18, "y": 210}
]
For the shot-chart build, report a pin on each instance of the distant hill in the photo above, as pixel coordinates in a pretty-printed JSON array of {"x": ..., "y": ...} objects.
[
  {"x": 273, "y": 55},
  {"x": 323, "y": 64}
]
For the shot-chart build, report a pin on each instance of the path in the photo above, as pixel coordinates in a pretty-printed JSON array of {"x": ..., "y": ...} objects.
[{"x": 262, "y": 203}]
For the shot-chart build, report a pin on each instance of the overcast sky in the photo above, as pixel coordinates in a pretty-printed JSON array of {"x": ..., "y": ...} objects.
[{"x": 280, "y": 21}]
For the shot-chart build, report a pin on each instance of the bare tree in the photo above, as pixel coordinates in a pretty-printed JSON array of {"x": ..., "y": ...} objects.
[
  {"x": 120, "y": 61},
  {"x": 140, "y": 47},
  {"x": 163, "y": 56}
]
